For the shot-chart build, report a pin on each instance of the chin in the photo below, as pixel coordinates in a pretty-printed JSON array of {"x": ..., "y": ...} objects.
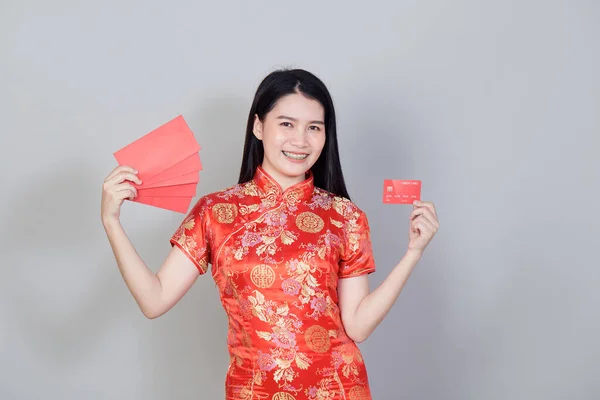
[{"x": 295, "y": 170}]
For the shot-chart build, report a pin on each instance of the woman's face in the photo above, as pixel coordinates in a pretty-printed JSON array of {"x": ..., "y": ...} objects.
[{"x": 293, "y": 136}]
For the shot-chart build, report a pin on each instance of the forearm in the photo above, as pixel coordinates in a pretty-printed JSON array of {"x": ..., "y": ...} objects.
[
  {"x": 374, "y": 307},
  {"x": 143, "y": 284}
]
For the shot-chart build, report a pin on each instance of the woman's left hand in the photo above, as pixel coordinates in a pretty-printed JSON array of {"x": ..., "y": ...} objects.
[{"x": 423, "y": 225}]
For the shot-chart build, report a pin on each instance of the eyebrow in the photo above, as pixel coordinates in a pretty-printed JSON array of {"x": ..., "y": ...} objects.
[{"x": 295, "y": 120}]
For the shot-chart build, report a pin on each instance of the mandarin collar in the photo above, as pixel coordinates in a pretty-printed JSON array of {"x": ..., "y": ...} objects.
[{"x": 269, "y": 186}]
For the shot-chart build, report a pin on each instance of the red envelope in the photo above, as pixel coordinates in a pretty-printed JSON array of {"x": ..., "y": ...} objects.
[
  {"x": 170, "y": 191},
  {"x": 160, "y": 149},
  {"x": 180, "y": 180},
  {"x": 178, "y": 204},
  {"x": 190, "y": 164},
  {"x": 401, "y": 191}
]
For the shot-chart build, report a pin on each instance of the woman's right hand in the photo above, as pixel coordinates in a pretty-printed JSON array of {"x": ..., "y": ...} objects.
[{"x": 116, "y": 188}]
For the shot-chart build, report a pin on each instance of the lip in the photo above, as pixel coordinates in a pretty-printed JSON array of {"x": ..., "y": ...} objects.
[{"x": 295, "y": 153}]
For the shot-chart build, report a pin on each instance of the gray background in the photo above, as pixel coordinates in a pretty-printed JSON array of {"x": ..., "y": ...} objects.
[{"x": 494, "y": 105}]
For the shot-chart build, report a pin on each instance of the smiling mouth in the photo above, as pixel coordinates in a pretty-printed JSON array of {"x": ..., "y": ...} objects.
[{"x": 295, "y": 156}]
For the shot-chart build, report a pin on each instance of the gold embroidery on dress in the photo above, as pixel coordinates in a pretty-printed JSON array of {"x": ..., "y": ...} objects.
[
  {"x": 247, "y": 209},
  {"x": 309, "y": 222},
  {"x": 278, "y": 282},
  {"x": 203, "y": 265},
  {"x": 283, "y": 396},
  {"x": 263, "y": 276},
  {"x": 350, "y": 354},
  {"x": 251, "y": 189},
  {"x": 284, "y": 328},
  {"x": 188, "y": 242},
  {"x": 270, "y": 198},
  {"x": 336, "y": 223},
  {"x": 344, "y": 207},
  {"x": 225, "y": 213},
  {"x": 353, "y": 235},
  {"x": 292, "y": 198},
  {"x": 317, "y": 338},
  {"x": 288, "y": 237},
  {"x": 246, "y": 338},
  {"x": 324, "y": 390},
  {"x": 358, "y": 393}
]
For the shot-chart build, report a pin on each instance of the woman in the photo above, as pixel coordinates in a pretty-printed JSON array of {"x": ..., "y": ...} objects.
[{"x": 290, "y": 253}]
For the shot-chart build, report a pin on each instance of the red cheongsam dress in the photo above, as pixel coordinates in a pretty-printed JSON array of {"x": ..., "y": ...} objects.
[{"x": 276, "y": 258}]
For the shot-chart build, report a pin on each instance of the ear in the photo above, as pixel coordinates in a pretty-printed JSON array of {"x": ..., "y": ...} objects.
[{"x": 258, "y": 126}]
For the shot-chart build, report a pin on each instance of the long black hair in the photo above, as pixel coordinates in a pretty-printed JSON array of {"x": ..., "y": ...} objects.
[{"x": 327, "y": 170}]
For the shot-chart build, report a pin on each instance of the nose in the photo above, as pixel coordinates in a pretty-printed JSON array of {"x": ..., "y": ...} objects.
[{"x": 299, "y": 138}]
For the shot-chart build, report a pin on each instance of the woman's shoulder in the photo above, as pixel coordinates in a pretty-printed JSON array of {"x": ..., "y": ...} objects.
[
  {"x": 234, "y": 194},
  {"x": 342, "y": 205}
]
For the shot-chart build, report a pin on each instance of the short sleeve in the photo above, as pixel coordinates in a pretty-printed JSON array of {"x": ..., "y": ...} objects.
[
  {"x": 357, "y": 258},
  {"x": 193, "y": 236}
]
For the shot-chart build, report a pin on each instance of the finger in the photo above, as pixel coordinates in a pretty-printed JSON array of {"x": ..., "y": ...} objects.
[
  {"x": 417, "y": 226},
  {"x": 424, "y": 226},
  {"x": 426, "y": 212},
  {"x": 123, "y": 188},
  {"x": 119, "y": 169},
  {"x": 116, "y": 170},
  {"x": 431, "y": 228},
  {"x": 429, "y": 217},
  {"x": 125, "y": 194},
  {"x": 123, "y": 176},
  {"x": 417, "y": 220},
  {"x": 118, "y": 180},
  {"x": 427, "y": 204},
  {"x": 416, "y": 212}
]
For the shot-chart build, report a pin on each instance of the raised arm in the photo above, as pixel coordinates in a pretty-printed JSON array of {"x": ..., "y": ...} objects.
[
  {"x": 157, "y": 293},
  {"x": 361, "y": 310}
]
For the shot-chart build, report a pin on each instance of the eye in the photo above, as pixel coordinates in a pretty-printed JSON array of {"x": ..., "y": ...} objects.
[
  {"x": 315, "y": 128},
  {"x": 284, "y": 124}
]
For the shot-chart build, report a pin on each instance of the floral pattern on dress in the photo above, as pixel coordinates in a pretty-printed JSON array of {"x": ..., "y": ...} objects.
[{"x": 276, "y": 258}]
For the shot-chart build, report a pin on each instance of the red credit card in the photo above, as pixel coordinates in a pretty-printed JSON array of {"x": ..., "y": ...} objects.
[{"x": 401, "y": 191}]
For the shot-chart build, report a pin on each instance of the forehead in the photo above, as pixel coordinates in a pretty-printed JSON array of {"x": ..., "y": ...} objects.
[{"x": 298, "y": 106}]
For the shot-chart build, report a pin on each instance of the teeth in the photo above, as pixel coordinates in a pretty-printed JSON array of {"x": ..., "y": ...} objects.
[{"x": 295, "y": 156}]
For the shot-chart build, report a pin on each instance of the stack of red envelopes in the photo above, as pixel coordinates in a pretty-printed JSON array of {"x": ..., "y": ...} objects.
[{"x": 168, "y": 164}]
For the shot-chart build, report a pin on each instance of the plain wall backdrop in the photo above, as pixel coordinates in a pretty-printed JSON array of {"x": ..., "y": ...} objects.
[{"x": 494, "y": 105}]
